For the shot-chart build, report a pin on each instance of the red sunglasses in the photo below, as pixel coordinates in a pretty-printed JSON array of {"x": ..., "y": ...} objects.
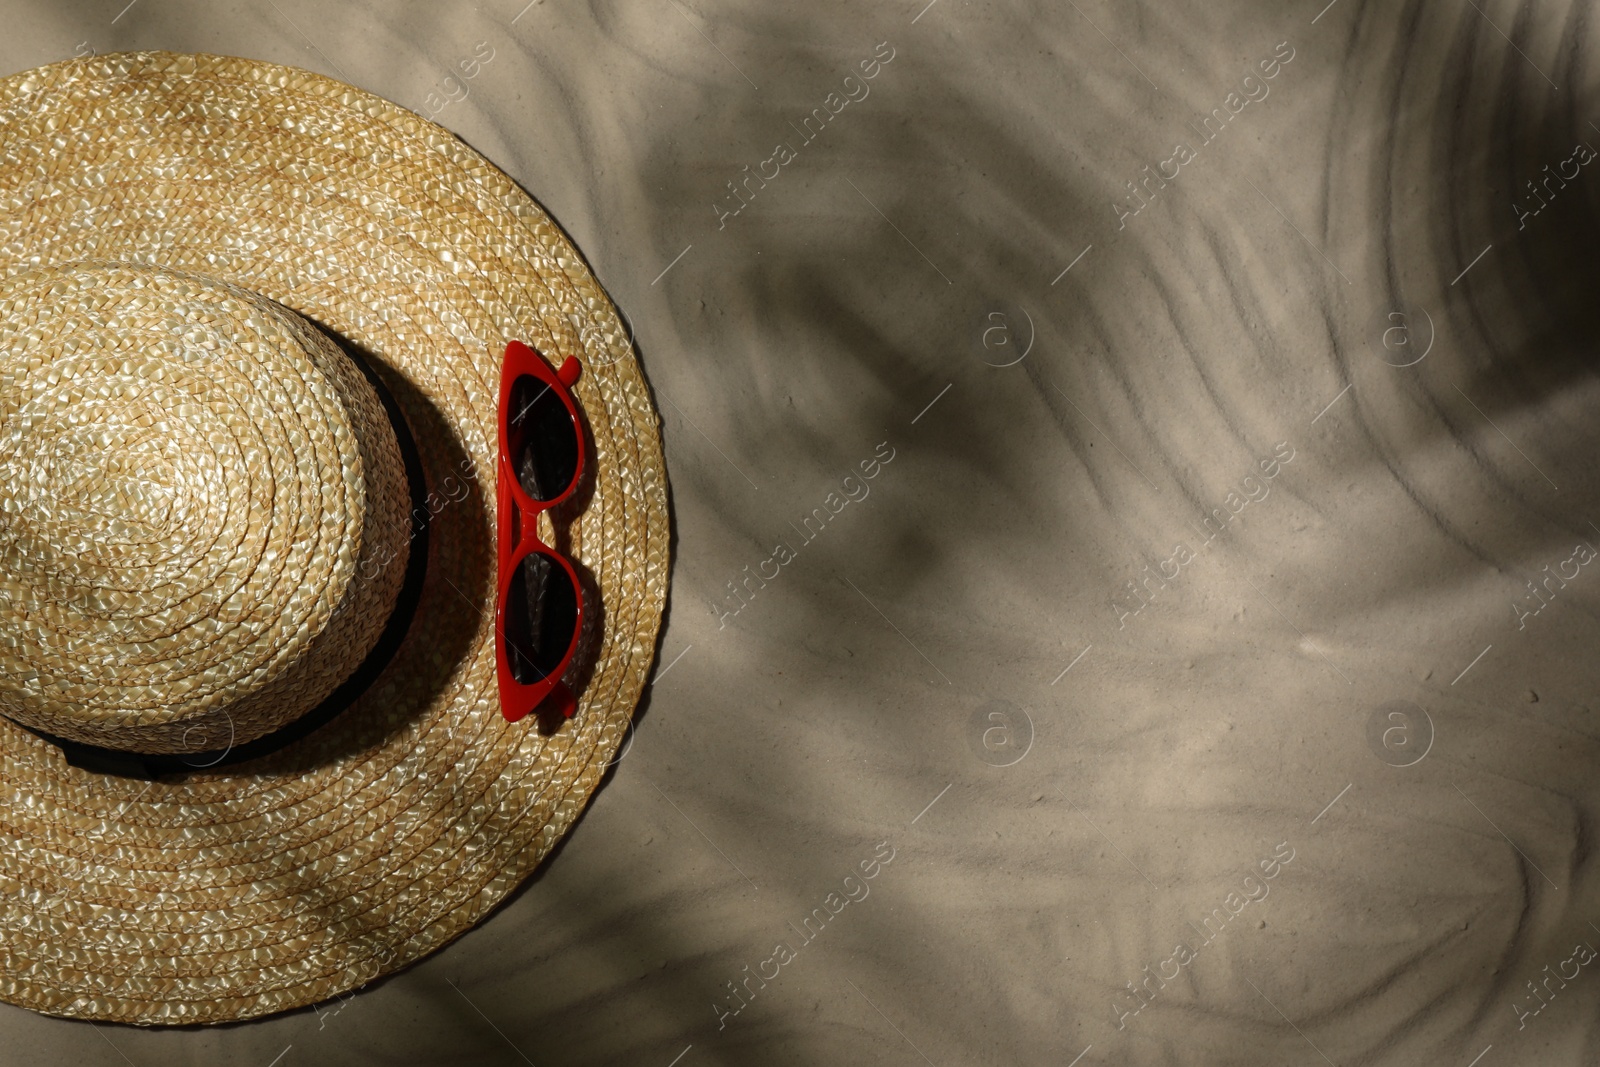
[{"x": 538, "y": 613}]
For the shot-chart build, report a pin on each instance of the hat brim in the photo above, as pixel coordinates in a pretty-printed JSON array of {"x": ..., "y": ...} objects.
[{"x": 383, "y": 835}]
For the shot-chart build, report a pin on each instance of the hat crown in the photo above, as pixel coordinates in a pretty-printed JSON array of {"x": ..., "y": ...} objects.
[{"x": 204, "y": 524}]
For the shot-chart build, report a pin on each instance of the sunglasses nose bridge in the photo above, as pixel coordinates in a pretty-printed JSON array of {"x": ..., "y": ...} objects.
[{"x": 524, "y": 518}]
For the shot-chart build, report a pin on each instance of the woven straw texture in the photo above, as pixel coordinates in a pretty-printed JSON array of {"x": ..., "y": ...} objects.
[
  {"x": 378, "y": 838},
  {"x": 199, "y": 485}
]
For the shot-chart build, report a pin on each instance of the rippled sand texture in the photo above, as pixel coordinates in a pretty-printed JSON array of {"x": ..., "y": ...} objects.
[{"x": 1176, "y": 569}]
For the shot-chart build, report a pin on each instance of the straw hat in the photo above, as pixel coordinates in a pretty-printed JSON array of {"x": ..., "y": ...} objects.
[{"x": 251, "y": 321}]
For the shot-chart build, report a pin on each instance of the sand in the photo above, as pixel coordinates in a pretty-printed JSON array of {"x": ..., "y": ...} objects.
[{"x": 1206, "y": 677}]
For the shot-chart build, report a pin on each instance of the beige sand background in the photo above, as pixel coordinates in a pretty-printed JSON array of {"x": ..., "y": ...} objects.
[{"x": 905, "y": 678}]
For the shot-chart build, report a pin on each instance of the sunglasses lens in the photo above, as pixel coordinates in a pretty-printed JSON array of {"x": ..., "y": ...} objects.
[
  {"x": 541, "y": 618},
  {"x": 543, "y": 439}
]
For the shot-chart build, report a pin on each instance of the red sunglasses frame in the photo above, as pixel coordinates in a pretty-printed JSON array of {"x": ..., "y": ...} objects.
[{"x": 513, "y": 506}]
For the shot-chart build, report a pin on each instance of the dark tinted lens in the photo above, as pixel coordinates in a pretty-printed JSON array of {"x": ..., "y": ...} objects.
[
  {"x": 541, "y": 618},
  {"x": 543, "y": 437}
]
